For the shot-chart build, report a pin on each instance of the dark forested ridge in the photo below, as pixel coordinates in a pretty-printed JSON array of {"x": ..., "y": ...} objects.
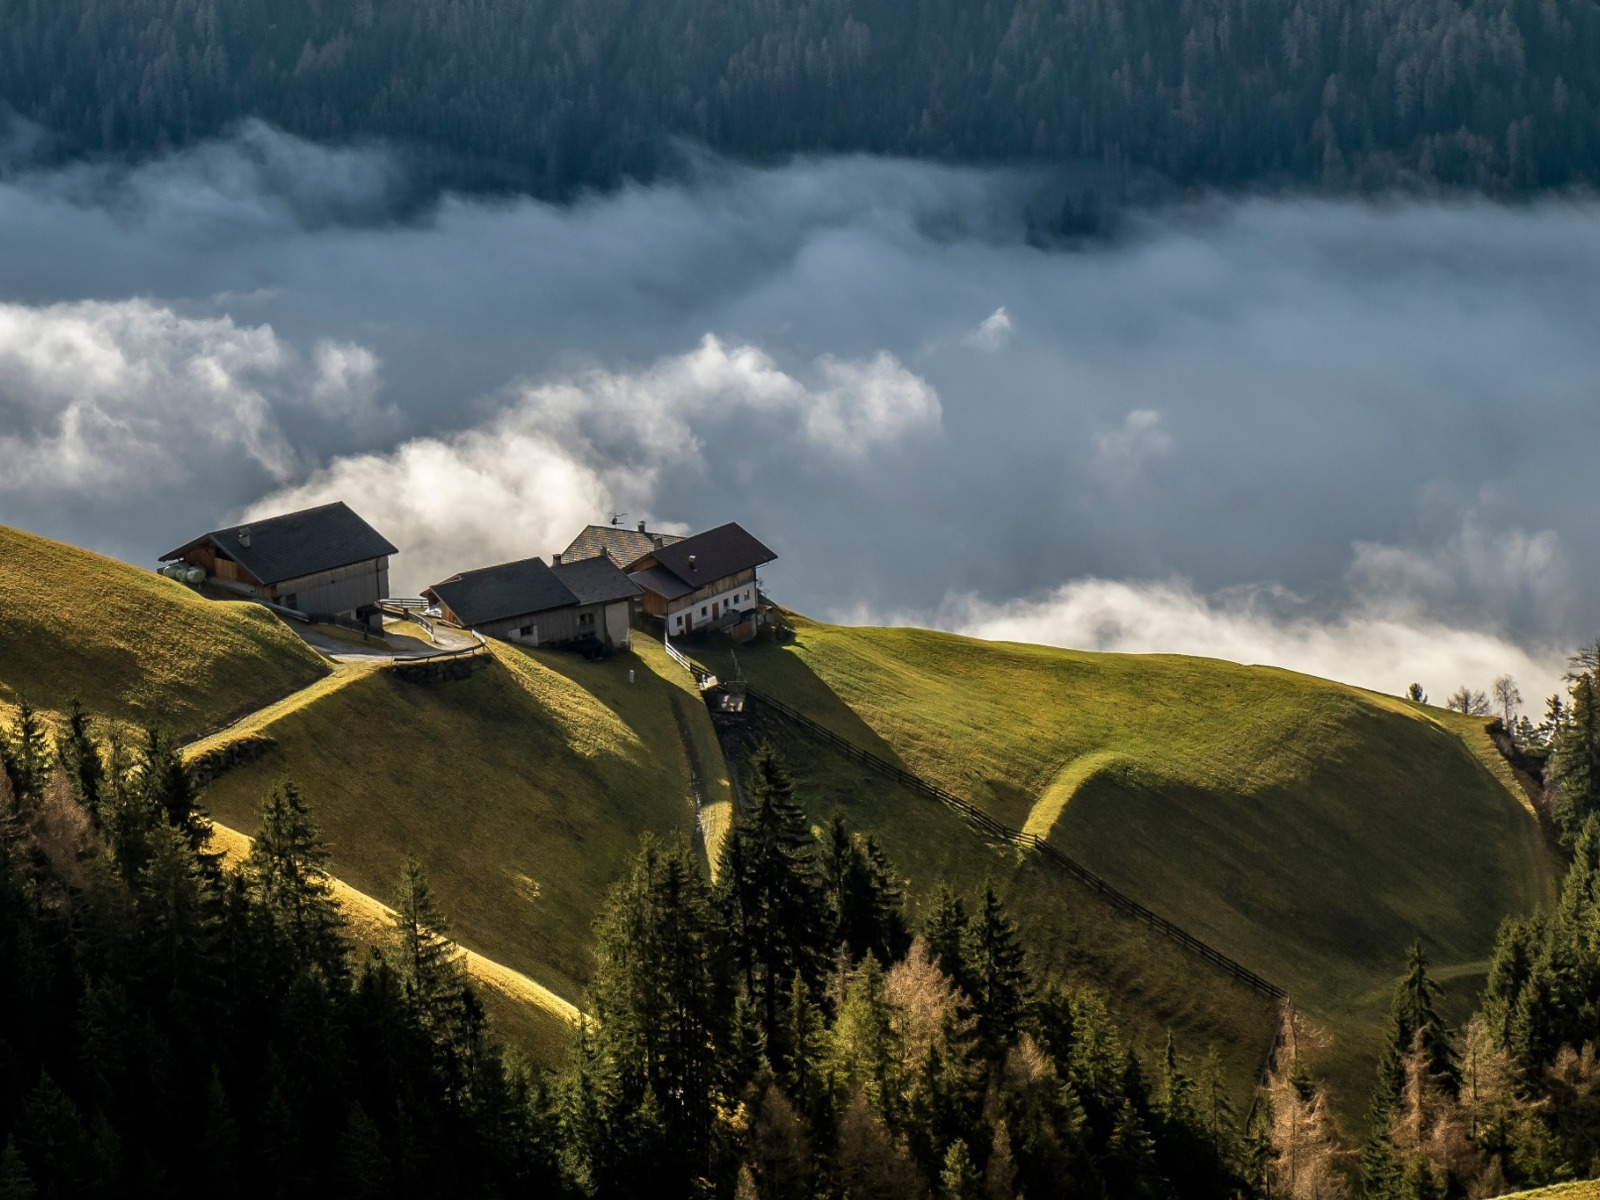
[{"x": 553, "y": 94}]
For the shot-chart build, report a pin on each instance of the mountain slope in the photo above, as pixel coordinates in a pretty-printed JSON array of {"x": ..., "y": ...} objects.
[
  {"x": 524, "y": 789},
  {"x": 1308, "y": 829},
  {"x": 130, "y": 644}
]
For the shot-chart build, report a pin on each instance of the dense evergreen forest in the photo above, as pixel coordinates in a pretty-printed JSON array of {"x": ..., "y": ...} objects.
[
  {"x": 551, "y": 95},
  {"x": 174, "y": 1025}
]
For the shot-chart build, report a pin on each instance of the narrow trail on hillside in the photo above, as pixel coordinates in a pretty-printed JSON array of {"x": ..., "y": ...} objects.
[{"x": 367, "y": 915}]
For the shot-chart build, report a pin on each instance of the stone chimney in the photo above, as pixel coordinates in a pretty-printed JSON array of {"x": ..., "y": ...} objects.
[{"x": 244, "y": 537}]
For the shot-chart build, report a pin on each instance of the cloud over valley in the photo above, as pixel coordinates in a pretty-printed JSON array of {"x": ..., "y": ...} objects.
[{"x": 1346, "y": 438}]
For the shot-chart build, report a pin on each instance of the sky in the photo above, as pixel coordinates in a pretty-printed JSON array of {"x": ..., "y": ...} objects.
[{"x": 1352, "y": 438}]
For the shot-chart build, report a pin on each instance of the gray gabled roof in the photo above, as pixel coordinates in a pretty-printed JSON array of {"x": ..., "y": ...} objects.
[
  {"x": 662, "y": 582},
  {"x": 297, "y": 543},
  {"x": 512, "y": 589},
  {"x": 709, "y": 556},
  {"x": 595, "y": 580}
]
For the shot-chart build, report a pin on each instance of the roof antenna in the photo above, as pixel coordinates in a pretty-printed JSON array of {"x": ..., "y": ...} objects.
[{"x": 617, "y": 518}]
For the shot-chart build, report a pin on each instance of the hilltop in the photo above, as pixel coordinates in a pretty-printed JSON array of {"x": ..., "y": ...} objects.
[
  {"x": 130, "y": 644},
  {"x": 1308, "y": 829}
]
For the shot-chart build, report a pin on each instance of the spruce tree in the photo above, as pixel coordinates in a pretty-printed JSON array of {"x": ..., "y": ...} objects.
[
  {"x": 865, "y": 902},
  {"x": 1575, "y": 761},
  {"x": 945, "y": 930},
  {"x": 428, "y": 963},
  {"x": 661, "y": 1009},
  {"x": 287, "y": 873},
  {"x": 959, "y": 1180},
  {"x": 80, "y": 756},
  {"x": 25, "y": 756},
  {"x": 769, "y": 889},
  {"x": 1414, "y": 1022},
  {"x": 169, "y": 786},
  {"x": 15, "y": 1182},
  {"x": 996, "y": 967}
]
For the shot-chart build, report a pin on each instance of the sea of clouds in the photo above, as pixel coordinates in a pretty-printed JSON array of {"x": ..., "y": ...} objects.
[{"x": 1348, "y": 438}]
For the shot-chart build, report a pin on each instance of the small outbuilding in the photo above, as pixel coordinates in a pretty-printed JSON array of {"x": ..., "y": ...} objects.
[
  {"x": 323, "y": 561},
  {"x": 538, "y": 605},
  {"x": 707, "y": 581}
]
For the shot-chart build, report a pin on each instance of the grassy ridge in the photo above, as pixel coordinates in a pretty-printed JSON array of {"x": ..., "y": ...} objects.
[
  {"x": 1309, "y": 829},
  {"x": 524, "y": 788},
  {"x": 534, "y": 1018},
  {"x": 1152, "y": 986},
  {"x": 132, "y": 645}
]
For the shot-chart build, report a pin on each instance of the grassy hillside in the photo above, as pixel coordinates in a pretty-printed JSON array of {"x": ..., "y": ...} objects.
[
  {"x": 1309, "y": 829},
  {"x": 536, "y": 1020},
  {"x": 1152, "y": 986},
  {"x": 524, "y": 788},
  {"x": 132, "y": 645}
]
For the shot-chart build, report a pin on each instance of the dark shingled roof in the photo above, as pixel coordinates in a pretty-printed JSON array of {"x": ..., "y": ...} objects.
[
  {"x": 662, "y": 582},
  {"x": 595, "y": 580},
  {"x": 622, "y": 546},
  {"x": 511, "y": 589},
  {"x": 725, "y": 550},
  {"x": 297, "y": 543}
]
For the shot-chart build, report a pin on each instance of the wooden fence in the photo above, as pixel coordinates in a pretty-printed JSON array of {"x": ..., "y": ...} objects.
[{"x": 1029, "y": 841}]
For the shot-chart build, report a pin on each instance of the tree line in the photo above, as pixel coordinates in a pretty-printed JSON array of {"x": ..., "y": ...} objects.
[
  {"x": 555, "y": 95},
  {"x": 177, "y": 1025}
]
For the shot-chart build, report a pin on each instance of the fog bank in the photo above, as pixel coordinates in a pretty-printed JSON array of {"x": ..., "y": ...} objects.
[{"x": 1347, "y": 438}]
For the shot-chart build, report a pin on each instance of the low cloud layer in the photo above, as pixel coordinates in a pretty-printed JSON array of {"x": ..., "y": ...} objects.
[
  {"x": 558, "y": 455},
  {"x": 1382, "y": 647},
  {"x": 1379, "y": 418}
]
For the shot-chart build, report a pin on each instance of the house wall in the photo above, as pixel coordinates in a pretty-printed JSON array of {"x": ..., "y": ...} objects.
[
  {"x": 618, "y": 632},
  {"x": 552, "y": 625},
  {"x": 730, "y": 596},
  {"x": 342, "y": 590}
]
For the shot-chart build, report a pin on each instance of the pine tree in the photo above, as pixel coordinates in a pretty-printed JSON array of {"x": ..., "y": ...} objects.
[
  {"x": 769, "y": 890},
  {"x": 169, "y": 786},
  {"x": 428, "y": 963},
  {"x": 661, "y": 1009},
  {"x": 806, "y": 1042},
  {"x": 945, "y": 930},
  {"x": 1508, "y": 975},
  {"x": 865, "y": 902},
  {"x": 81, "y": 758},
  {"x": 15, "y": 1182},
  {"x": 996, "y": 966},
  {"x": 866, "y": 1050},
  {"x": 287, "y": 873},
  {"x": 1414, "y": 1023},
  {"x": 24, "y": 754},
  {"x": 960, "y": 1179},
  {"x": 1575, "y": 761}
]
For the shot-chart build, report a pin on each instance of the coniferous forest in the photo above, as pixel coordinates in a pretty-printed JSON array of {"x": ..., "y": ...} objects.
[
  {"x": 552, "y": 95},
  {"x": 177, "y": 1025}
]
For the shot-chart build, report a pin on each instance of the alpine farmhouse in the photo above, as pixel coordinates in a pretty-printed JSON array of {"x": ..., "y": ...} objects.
[{"x": 323, "y": 561}]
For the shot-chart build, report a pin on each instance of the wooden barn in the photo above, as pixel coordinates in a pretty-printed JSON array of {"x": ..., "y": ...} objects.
[
  {"x": 529, "y": 602},
  {"x": 323, "y": 561},
  {"x": 707, "y": 581}
]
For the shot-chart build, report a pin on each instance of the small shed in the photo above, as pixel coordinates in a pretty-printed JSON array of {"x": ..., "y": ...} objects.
[{"x": 323, "y": 561}]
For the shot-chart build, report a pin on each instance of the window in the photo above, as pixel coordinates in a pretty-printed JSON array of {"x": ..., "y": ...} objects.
[
  {"x": 526, "y": 631},
  {"x": 585, "y": 620},
  {"x": 702, "y": 610}
]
